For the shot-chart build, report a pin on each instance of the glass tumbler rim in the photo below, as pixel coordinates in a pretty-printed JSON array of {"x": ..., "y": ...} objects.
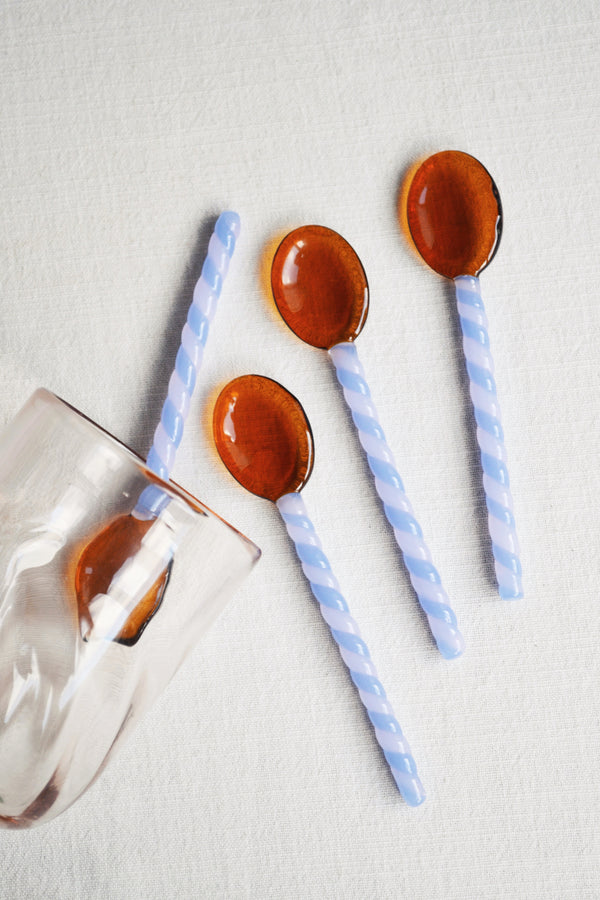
[{"x": 170, "y": 487}]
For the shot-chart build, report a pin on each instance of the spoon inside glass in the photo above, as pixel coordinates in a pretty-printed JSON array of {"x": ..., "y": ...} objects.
[
  {"x": 320, "y": 289},
  {"x": 454, "y": 215},
  {"x": 263, "y": 437},
  {"x": 105, "y": 610}
]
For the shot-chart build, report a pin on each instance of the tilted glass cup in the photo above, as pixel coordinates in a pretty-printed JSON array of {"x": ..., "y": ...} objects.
[{"x": 70, "y": 685}]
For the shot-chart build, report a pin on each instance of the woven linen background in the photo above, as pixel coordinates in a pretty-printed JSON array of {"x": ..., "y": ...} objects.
[{"x": 125, "y": 128}]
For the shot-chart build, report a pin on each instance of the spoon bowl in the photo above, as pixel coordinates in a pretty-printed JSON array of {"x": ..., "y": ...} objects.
[
  {"x": 454, "y": 214},
  {"x": 319, "y": 286},
  {"x": 263, "y": 436}
]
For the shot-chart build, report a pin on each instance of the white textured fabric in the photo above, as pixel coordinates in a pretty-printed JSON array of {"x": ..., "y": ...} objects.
[{"x": 124, "y": 128}]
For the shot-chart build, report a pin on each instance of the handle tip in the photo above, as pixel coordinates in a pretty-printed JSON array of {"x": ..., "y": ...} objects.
[
  {"x": 448, "y": 639},
  {"x": 412, "y": 791},
  {"x": 452, "y": 651},
  {"x": 228, "y": 222},
  {"x": 511, "y": 595},
  {"x": 510, "y": 584}
]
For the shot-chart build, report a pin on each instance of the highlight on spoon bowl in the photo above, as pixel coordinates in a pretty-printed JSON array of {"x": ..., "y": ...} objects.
[
  {"x": 264, "y": 439},
  {"x": 321, "y": 290},
  {"x": 454, "y": 216},
  {"x": 106, "y": 554}
]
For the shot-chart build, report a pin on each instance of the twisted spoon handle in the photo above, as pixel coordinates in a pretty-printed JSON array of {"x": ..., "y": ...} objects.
[
  {"x": 490, "y": 437},
  {"x": 106, "y": 613},
  {"x": 353, "y": 649},
  {"x": 169, "y": 430},
  {"x": 207, "y": 291},
  {"x": 423, "y": 575}
]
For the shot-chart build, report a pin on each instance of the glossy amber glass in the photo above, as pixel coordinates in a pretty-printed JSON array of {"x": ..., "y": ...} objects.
[
  {"x": 320, "y": 286},
  {"x": 454, "y": 214},
  {"x": 101, "y": 560},
  {"x": 263, "y": 436}
]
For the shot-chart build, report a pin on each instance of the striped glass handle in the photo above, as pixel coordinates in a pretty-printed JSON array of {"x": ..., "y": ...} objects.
[
  {"x": 424, "y": 576},
  {"x": 353, "y": 649},
  {"x": 490, "y": 437},
  {"x": 207, "y": 291}
]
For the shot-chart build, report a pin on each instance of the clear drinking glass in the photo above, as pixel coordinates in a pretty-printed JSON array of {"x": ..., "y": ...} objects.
[{"x": 75, "y": 673}]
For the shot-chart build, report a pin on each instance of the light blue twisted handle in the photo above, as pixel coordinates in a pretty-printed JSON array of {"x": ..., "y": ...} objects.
[
  {"x": 169, "y": 430},
  {"x": 108, "y": 614},
  {"x": 353, "y": 649},
  {"x": 423, "y": 575},
  {"x": 490, "y": 437}
]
